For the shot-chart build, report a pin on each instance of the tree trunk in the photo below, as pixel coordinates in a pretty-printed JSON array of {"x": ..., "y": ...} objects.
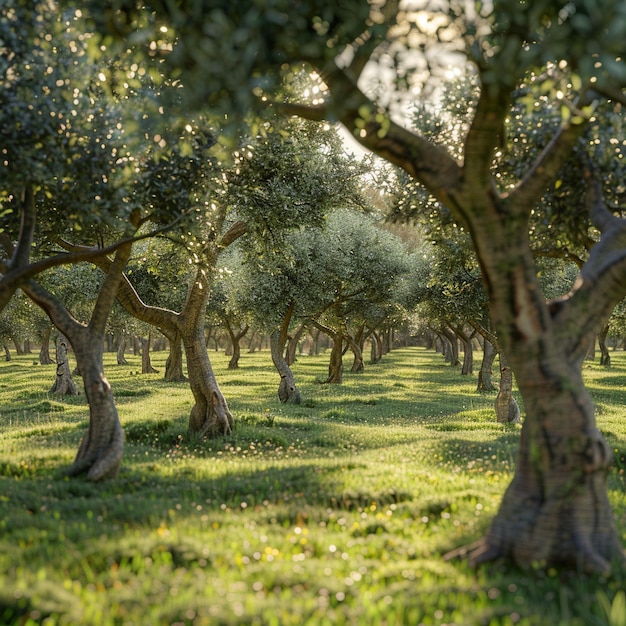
[
  {"x": 287, "y": 390},
  {"x": 357, "y": 363},
  {"x": 605, "y": 355},
  {"x": 174, "y": 362},
  {"x": 18, "y": 346},
  {"x": 235, "y": 341},
  {"x": 44, "y": 351},
  {"x": 100, "y": 453},
  {"x": 146, "y": 365},
  {"x": 335, "y": 367},
  {"x": 210, "y": 415},
  {"x": 485, "y": 382},
  {"x": 556, "y": 510},
  {"x": 63, "y": 384},
  {"x": 468, "y": 352},
  {"x": 292, "y": 345},
  {"x": 121, "y": 348},
  {"x": 7, "y": 353},
  {"x": 451, "y": 347},
  {"x": 507, "y": 409}
]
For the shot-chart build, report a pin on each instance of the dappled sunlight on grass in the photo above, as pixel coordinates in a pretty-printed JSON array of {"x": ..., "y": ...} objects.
[{"x": 335, "y": 511}]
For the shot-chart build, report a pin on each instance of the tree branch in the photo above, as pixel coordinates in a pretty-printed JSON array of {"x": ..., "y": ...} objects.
[
  {"x": 238, "y": 229},
  {"x": 543, "y": 171},
  {"x": 428, "y": 163}
]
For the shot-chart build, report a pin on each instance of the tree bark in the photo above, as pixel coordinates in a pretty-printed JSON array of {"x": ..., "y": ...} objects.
[
  {"x": 44, "y": 351},
  {"x": 507, "y": 409},
  {"x": 7, "y": 353},
  {"x": 335, "y": 367},
  {"x": 292, "y": 345},
  {"x": 210, "y": 415},
  {"x": 146, "y": 365},
  {"x": 468, "y": 353},
  {"x": 174, "y": 362},
  {"x": 605, "y": 355},
  {"x": 485, "y": 382},
  {"x": 235, "y": 340},
  {"x": 288, "y": 392},
  {"x": 121, "y": 348},
  {"x": 63, "y": 383},
  {"x": 100, "y": 453},
  {"x": 357, "y": 363},
  {"x": 451, "y": 347}
]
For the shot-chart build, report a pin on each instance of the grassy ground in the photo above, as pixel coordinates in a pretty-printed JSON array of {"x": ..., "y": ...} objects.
[{"x": 334, "y": 512}]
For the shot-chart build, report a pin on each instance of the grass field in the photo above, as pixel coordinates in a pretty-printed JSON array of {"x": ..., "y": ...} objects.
[{"x": 337, "y": 511}]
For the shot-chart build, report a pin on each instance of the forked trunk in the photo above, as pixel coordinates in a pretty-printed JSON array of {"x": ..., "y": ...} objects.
[
  {"x": 100, "y": 452},
  {"x": 287, "y": 390},
  {"x": 357, "y": 364},
  {"x": 292, "y": 345}
]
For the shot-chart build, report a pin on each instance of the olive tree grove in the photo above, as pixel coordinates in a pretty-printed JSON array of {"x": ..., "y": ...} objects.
[{"x": 365, "y": 58}]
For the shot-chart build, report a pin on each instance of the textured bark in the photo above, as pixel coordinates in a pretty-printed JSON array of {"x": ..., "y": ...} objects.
[
  {"x": 450, "y": 347},
  {"x": 7, "y": 353},
  {"x": 605, "y": 355},
  {"x": 121, "y": 349},
  {"x": 101, "y": 450},
  {"x": 335, "y": 366},
  {"x": 485, "y": 381},
  {"x": 146, "y": 365},
  {"x": 357, "y": 363},
  {"x": 100, "y": 453},
  {"x": 507, "y": 409},
  {"x": 292, "y": 345},
  {"x": 288, "y": 392},
  {"x": 174, "y": 362},
  {"x": 63, "y": 383},
  {"x": 44, "y": 351},
  {"x": 210, "y": 415}
]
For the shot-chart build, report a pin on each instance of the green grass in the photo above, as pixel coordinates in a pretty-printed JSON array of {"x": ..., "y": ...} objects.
[{"x": 337, "y": 511}]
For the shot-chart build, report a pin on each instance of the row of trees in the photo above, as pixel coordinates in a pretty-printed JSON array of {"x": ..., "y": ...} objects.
[{"x": 534, "y": 156}]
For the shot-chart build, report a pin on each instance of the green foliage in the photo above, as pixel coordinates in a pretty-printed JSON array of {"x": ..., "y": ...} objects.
[{"x": 339, "y": 510}]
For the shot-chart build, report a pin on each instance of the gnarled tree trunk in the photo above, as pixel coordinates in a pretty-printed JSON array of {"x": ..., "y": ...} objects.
[
  {"x": 485, "y": 381},
  {"x": 335, "y": 366},
  {"x": 174, "y": 362},
  {"x": 507, "y": 409},
  {"x": 605, "y": 355},
  {"x": 146, "y": 364},
  {"x": 121, "y": 349},
  {"x": 100, "y": 453},
  {"x": 210, "y": 415},
  {"x": 287, "y": 390},
  {"x": 63, "y": 383},
  {"x": 44, "y": 351}
]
